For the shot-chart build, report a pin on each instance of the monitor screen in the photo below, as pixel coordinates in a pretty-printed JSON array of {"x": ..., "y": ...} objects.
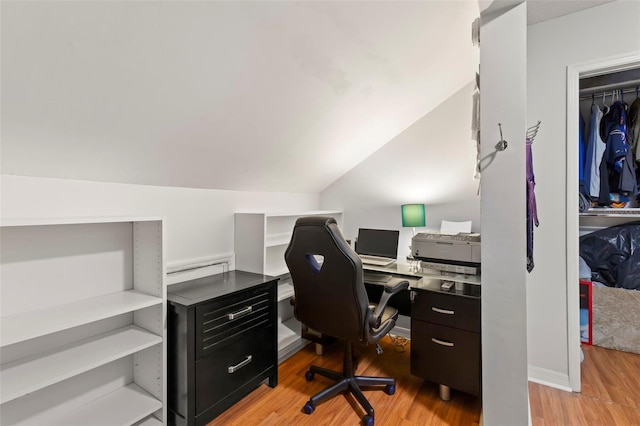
[{"x": 378, "y": 242}]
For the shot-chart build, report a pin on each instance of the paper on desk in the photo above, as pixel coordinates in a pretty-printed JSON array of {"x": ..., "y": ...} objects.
[{"x": 447, "y": 227}]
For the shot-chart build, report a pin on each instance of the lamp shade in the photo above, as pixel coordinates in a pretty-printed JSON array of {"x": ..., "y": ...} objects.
[{"x": 413, "y": 215}]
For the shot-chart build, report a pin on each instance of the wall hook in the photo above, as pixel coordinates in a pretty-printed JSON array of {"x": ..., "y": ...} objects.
[{"x": 502, "y": 145}]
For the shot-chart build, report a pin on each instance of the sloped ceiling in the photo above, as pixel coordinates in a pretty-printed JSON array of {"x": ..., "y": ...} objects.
[{"x": 268, "y": 96}]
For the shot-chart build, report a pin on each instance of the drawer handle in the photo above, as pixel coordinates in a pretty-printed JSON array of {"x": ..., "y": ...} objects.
[
  {"x": 233, "y": 368},
  {"x": 441, "y": 342},
  {"x": 442, "y": 311},
  {"x": 240, "y": 313}
]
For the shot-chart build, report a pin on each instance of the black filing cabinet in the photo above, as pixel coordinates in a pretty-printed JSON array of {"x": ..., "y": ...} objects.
[
  {"x": 222, "y": 343},
  {"x": 445, "y": 335}
]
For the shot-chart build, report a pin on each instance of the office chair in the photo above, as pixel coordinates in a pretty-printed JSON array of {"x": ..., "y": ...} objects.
[{"x": 330, "y": 298}]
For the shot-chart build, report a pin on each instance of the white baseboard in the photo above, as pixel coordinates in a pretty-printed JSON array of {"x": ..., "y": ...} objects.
[
  {"x": 549, "y": 378},
  {"x": 401, "y": 331}
]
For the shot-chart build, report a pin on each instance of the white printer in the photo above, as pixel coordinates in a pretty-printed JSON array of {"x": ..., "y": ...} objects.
[{"x": 458, "y": 253}]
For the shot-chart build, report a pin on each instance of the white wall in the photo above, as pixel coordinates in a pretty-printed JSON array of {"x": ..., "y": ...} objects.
[
  {"x": 553, "y": 45},
  {"x": 431, "y": 162},
  {"x": 504, "y": 322},
  {"x": 199, "y": 223}
]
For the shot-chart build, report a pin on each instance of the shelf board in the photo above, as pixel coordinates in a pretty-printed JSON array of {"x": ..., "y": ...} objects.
[
  {"x": 288, "y": 333},
  {"x": 122, "y": 407},
  {"x": 28, "y": 375},
  {"x": 75, "y": 220},
  {"x": 276, "y": 269},
  {"x": 28, "y": 325},
  {"x": 151, "y": 421},
  {"x": 631, "y": 213},
  {"x": 285, "y": 291},
  {"x": 280, "y": 239}
]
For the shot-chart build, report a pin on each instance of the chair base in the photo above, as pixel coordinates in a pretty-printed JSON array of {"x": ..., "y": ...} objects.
[{"x": 347, "y": 381}]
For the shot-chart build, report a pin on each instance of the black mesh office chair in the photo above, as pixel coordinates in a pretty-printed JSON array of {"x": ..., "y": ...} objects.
[{"x": 330, "y": 298}]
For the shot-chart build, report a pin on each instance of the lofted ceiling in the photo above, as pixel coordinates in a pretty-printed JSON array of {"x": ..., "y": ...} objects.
[
  {"x": 273, "y": 96},
  {"x": 239, "y": 95}
]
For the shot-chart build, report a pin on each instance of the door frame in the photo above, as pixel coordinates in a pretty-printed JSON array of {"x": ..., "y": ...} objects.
[{"x": 574, "y": 73}]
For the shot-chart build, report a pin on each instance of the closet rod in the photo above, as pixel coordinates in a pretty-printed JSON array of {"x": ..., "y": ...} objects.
[
  {"x": 598, "y": 95},
  {"x": 627, "y": 87}
]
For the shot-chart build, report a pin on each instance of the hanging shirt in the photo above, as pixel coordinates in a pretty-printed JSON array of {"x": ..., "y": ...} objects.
[
  {"x": 634, "y": 125},
  {"x": 622, "y": 175},
  {"x": 594, "y": 154}
]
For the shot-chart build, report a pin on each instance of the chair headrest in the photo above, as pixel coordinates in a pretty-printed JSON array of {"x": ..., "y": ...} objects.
[{"x": 315, "y": 221}]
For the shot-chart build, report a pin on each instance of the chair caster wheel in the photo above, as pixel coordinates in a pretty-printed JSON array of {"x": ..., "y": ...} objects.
[
  {"x": 309, "y": 375},
  {"x": 309, "y": 408},
  {"x": 390, "y": 389},
  {"x": 367, "y": 421}
]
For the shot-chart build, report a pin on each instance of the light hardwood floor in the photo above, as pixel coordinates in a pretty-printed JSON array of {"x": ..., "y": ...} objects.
[
  {"x": 610, "y": 393},
  {"x": 610, "y": 383}
]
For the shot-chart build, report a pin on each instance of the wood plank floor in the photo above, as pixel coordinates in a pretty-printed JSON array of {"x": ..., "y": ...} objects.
[
  {"x": 610, "y": 396},
  {"x": 414, "y": 403},
  {"x": 610, "y": 393}
]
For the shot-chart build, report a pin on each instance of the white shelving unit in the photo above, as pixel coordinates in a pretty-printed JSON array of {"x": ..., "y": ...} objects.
[
  {"x": 82, "y": 331},
  {"x": 260, "y": 242}
]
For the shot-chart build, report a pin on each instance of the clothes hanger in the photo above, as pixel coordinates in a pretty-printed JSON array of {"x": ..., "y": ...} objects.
[{"x": 605, "y": 108}]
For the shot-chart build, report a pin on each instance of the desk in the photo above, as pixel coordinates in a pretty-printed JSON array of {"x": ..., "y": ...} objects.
[{"x": 445, "y": 325}]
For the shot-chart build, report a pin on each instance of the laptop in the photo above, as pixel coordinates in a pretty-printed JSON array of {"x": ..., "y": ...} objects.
[{"x": 378, "y": 247}]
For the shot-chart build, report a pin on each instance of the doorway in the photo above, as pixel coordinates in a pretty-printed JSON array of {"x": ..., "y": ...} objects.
[{"x": 574, "y": 74}]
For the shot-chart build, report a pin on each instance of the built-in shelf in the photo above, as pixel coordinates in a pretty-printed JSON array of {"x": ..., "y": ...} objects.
[
  {"x": 150, "y": 421},
  {"x": 28, "y": 325},
  {"x": 285, "y": 291},
  {"x": 608, "y": 212},
  {"x": 272, "y": 240},
  {"x": 122, "y": 407},
  {"x": 28, "y": 375},
  {"x": 84, "y": 322},
  {"x": 288, "y": 333},
  {"x": 261, "y": 239}
]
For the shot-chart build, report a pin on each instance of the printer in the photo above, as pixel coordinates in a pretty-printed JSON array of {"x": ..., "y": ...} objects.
[{"x": 459, "y": 253}]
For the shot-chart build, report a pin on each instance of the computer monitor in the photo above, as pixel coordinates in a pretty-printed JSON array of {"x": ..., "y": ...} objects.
[{"x": 377, "y": 242}]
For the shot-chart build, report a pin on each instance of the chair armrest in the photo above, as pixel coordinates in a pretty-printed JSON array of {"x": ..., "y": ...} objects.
[
  {"x": 396, "y": 287},
  {"x": 389, "y": 290}
]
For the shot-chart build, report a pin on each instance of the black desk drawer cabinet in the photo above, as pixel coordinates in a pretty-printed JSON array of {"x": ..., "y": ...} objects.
[
  {"x": 445, "y": 339},
  {"x": 222, "y": 343},
  {"x": 448, "y": 309},
  {"x": 446, "y": 356}
]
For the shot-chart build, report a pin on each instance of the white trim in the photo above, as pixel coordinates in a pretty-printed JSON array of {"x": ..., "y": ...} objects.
[
  {"x": 574, "y": 73},
  {"x": 549, "y": 378},
  {"x": 75, "y": 220},
  {"x": 401, "y": 331}
]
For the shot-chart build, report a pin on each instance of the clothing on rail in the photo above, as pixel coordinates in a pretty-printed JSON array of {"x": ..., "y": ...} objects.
[{"x": 611, "y": 154}]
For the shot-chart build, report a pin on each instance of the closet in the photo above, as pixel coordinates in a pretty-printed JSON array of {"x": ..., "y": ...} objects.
[{"x": 609, "y": 182}]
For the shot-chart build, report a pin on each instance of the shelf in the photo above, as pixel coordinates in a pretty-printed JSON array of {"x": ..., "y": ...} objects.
[
  {"x": 28, "y": 375},
  {"x": 608, "y": 212},
  {"x": 74, "y": 220},
  {"x": 122, "y": 407},
  {"x": 285, "y": 291},
  {"x": 28, "y": 325},
  {"x": 288, "y": 333},
  {"x": 276, "y": 269},
  {"x": 151, "y": 421},
  {"x": 297, "y": 213},
  {"x": 282, "y": 238}
]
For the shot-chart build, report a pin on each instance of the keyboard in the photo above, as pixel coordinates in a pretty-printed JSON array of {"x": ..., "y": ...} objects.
[{"x": 376, "y": 260}]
